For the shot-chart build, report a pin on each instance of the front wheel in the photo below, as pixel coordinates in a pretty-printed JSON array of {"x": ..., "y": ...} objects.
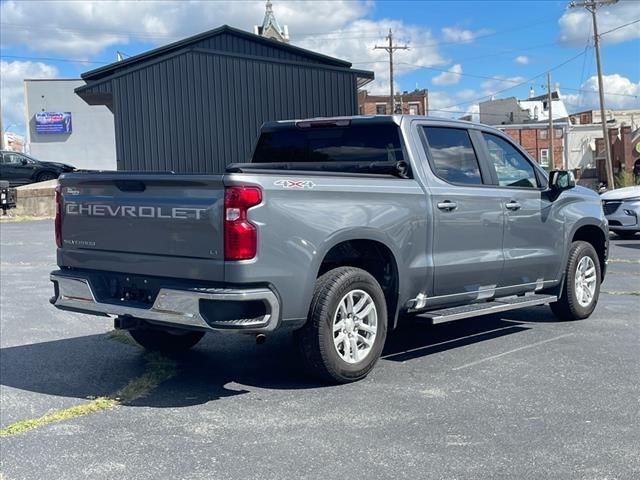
[
  {"x": 156, "y": 339},
  {"x": 346, "y": 327},
  {"x": 581, "y": 283}
]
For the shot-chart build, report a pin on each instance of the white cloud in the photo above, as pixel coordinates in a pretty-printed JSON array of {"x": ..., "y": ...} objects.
[
  {"x": 576, "y": 25},
  {"x": 450, "y": 77},
  {"x": 459, "y": 35},
  {"x": 82, "y": 29},
  {"x": 12, "y": 89},
  {"x": 521, "y": 60},
  {"x": 620, "y": 92},
  {"x": 359, "y": 49}
]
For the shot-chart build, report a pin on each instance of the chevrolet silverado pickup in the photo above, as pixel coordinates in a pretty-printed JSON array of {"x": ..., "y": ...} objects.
[{"x": 335, "y": 229}]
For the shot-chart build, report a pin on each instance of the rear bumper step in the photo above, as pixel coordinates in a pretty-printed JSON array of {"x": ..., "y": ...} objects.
[
  {"x": 189, "y": 308},
  {"x": 496, "y": 306}
]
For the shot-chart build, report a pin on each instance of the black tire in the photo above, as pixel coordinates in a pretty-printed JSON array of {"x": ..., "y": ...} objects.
[
  {"x": 44, "y": 176},
  {"x": 158, "y": 340},
  {"x": 316, "y": 339},
  {"x": 568, "y": 307}
]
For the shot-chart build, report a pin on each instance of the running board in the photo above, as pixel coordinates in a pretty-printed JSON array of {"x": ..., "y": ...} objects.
[{"x": 496, "y": 306}]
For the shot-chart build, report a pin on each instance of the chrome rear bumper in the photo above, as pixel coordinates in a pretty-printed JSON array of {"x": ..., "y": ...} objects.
[{"x": 173, "y": 307}]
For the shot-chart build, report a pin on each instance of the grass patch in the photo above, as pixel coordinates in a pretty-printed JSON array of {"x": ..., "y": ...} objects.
[
  {"x": 97, "y": 405},
  {"x": 158, "y": 369},
  {"x": 122, "y": 337}
]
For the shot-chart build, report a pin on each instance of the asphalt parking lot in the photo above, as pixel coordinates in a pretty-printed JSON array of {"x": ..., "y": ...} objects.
[{"x": 511, "y": 396}]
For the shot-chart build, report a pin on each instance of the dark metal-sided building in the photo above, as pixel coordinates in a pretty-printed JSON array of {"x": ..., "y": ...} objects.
[{"x": 197, "y": 105}]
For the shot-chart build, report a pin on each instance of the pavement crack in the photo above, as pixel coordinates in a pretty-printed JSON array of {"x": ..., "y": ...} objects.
[
  {"x": 615, "y": 292},
  {"x": 158, "y": 369}
]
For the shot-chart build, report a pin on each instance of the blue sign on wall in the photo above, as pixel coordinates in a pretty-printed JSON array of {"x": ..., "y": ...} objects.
[{"x": 53, "y": 122}]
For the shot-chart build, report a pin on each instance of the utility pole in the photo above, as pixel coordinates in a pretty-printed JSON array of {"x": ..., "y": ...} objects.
[
  {"x": 551, "y": 132},
  {"x": 592, "y": 6},
  {"x": 390, "y": 49}
]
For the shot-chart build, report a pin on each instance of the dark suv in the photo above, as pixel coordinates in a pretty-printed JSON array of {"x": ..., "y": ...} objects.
[{"x": 20, "y": 169}]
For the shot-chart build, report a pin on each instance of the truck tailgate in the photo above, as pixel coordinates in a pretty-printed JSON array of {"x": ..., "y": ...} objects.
[{"x": 163, "y": 215}]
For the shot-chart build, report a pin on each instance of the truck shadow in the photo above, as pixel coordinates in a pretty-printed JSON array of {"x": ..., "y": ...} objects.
[{"x": 220, "y": 366}]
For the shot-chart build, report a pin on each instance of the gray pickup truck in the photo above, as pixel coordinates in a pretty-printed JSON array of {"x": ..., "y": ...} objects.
[{"x": 335, "y": 230}]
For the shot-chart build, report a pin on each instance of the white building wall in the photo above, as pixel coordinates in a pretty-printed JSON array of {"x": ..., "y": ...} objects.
[
  {"x": 90, "y": 145},
  {"x": 580, "y": 145}
]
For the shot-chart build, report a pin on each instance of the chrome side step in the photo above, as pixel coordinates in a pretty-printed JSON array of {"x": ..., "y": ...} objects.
[{"x": 496, "y": 306}]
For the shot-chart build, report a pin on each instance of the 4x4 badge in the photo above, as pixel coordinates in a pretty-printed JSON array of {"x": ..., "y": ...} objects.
[{"x": 294, "y": 184}]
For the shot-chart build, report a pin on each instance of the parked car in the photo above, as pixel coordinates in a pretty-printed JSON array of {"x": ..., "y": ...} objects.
[
  {"x": 20, "y": 169},
  {"x": 335, "y": 230},
  {"x": 7, "y": 197},
  {"x": 622, "y": 209}
]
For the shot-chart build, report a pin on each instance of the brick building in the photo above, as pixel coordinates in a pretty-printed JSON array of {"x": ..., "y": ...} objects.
[
  {"x": 410, "y": 103},
  {"x": 535, "y": 139},
  {"x": 622, "y": 156}
]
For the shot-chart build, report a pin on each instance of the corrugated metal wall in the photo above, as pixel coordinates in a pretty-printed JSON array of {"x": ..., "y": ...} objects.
[
  {"x": 199, "y": 111},
  {"x": 235, "y": 44}
]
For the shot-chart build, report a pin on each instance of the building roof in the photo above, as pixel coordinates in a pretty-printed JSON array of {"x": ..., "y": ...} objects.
[
  {"x": 107, "y": 70},
  {"x": 543, "y": 98}
]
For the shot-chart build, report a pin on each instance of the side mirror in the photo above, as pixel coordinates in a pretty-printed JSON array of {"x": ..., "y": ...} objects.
[
  {"x": 561, "y": 180},
  {"x": 23, "y": 161}
]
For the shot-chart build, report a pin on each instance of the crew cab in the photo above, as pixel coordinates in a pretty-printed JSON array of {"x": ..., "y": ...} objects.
[{"x": 335, "y": 229}]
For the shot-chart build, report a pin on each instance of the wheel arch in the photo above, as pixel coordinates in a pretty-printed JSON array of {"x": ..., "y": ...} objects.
[
  {"x": 594, "y": 235},
  {"x": 373, "y": 254}
]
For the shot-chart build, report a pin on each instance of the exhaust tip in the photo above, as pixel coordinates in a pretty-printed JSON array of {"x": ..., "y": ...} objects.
[{"x": 261, "y": 338}]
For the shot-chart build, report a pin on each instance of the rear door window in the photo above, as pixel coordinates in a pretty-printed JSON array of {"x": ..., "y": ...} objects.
[
  {"x": 317, "y": 144},
  {"x": 452, "y": 155}
]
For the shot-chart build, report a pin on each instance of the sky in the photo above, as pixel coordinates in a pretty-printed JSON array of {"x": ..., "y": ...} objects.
[{"x": 463, "y": 52}]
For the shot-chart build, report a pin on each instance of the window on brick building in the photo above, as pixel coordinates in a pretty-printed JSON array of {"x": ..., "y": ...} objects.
[
  {"x": 543, "y": 134},
  {"x": 557, "y": 132},
  {"x": 413, "y": 109},
  {"x": 544, "y": 157},
  {"x": 381, "y": 109}
]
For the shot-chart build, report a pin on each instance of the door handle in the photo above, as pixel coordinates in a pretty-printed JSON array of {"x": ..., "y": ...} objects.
[
  {"x": 513, "y": 205},
  {"x": 447, "y": 205}
]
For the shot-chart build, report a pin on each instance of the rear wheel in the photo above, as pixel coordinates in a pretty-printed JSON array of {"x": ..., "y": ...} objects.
[
  {"x": 346, "y": 328},
  {"x": 44, "y": 176},
  {"x": 581, "y": 284},
  {"x": 160, "y": 340}
]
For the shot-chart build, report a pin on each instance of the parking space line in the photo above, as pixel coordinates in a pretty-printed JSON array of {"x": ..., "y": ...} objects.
[{"x": 512, "y": 351}]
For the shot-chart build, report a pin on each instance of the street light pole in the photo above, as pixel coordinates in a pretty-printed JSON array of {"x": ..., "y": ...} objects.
[{"x": 592, "y": 6}]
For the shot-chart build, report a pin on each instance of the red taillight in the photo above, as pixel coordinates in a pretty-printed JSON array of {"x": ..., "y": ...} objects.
[
  {"x": 240, "y": 239},
  {"x": 58, "y": 220}
]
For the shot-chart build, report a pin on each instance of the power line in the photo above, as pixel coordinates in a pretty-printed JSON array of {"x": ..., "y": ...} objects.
[
  {"x": 490, "y": 34},
  {"x": 499, "y": 79},
  {"x": 620, "y": 26},
  {"x": 51, "y": 59},
  {"x": 529, "y": 80}
]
